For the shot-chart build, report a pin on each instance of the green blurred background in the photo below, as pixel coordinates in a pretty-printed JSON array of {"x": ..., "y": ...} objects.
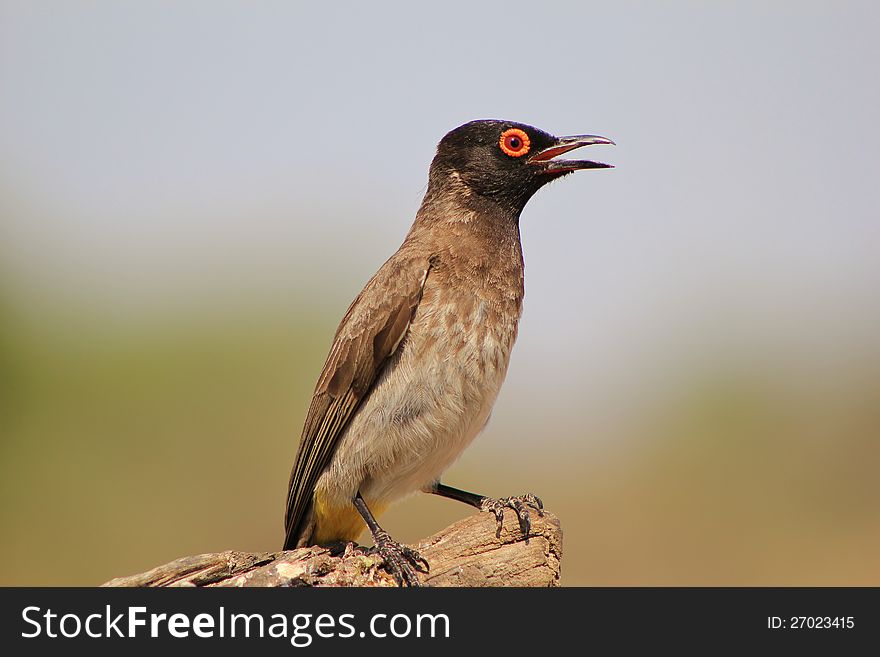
[{"x": 192, "y": 193}]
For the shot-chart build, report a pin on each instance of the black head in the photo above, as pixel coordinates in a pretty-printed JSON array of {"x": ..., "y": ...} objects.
[{"x": 506, "y": 161}]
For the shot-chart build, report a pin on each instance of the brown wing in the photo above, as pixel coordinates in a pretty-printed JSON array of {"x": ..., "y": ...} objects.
[{"x": 370, "y": 332}]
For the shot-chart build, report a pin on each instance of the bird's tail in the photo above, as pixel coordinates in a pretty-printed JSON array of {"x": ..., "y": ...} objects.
[{"x": 300, "y": 528}]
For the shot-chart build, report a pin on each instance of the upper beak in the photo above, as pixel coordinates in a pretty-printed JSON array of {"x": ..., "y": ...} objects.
[{"x": 545, "y": 160}]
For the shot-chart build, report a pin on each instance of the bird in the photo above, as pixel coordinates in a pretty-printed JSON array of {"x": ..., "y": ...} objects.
[{"x": 419, "y": 357}]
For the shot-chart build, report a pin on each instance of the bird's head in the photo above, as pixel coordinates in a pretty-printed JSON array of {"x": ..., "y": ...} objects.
[{"x": 506, "y": 161}]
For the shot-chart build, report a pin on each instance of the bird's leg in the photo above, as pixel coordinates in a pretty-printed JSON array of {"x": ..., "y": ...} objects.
[
  {"x": 400, "y": 560},
  {"x": 520, "y": 504}
]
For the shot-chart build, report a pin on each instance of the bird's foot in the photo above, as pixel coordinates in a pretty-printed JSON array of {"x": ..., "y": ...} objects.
[
  {"x": 400, "y": 560},
  {"x": 520, "y": 504}
]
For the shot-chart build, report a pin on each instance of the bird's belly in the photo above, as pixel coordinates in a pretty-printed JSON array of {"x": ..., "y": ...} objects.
[{"x": 430, "y": 403}]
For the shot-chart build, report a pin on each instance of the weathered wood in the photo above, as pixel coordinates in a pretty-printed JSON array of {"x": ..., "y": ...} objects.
[{"x": 467, "y": 553}]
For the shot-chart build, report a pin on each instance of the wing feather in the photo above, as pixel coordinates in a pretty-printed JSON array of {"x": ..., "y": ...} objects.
[{"x": 371, "y": 331}]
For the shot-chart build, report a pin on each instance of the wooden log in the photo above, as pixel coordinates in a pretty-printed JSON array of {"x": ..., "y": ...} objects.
[{"x": 467, "y": 553}]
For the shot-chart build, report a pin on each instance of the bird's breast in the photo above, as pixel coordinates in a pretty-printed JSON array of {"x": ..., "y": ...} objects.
[{"x": 434, "y": 396}]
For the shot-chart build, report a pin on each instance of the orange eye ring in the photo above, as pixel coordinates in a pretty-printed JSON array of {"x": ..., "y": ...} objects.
[{"x": 514, "y": 142}]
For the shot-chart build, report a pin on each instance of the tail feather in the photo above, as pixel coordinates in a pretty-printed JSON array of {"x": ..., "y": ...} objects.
[{"x": 299, "y": 532}]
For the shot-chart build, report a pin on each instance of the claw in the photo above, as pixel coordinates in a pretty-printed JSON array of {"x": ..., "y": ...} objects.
[
  {"x": 522, "y": 514},
  {"x": 535, "y": 502},
  {"x": 401, "y": 561},
  {"x": 520, "y": 505}
]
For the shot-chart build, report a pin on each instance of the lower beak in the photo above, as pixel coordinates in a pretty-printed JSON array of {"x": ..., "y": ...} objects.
[{"x": 544, "y": 159}]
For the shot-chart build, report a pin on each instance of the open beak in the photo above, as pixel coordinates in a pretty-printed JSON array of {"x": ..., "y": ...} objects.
[{"x": 544, "y": 159}]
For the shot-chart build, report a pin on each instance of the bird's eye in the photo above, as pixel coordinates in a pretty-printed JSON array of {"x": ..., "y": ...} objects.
[{"x": 514, "y": 142}]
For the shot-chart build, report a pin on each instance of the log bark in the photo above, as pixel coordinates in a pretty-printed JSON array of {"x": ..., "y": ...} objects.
[{"x": 467, "y": 553}]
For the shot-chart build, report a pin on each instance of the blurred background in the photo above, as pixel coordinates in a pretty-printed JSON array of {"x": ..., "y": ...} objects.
[{"x": 191, "y": 194}]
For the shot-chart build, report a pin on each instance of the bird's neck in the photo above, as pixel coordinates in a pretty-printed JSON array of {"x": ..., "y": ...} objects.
[
  {"x": 474, "y": 243},
  {"x": 453, "y": 204}
]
